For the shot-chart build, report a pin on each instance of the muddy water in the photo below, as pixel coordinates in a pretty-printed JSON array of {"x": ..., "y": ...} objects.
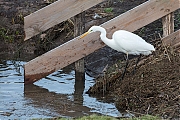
[{"x": 57, "y": 95}]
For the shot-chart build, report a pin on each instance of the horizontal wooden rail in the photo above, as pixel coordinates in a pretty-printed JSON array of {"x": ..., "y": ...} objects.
[
  {"x": 172, "y": 40},
  {"x": 78, "y": 48},
  {"x": 53, "y": 14}
]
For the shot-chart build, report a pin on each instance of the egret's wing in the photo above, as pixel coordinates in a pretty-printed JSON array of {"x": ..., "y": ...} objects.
[{"x": 131, "y": 43}]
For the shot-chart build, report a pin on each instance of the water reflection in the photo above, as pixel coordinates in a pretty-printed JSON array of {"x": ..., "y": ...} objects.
[
  {"x": 56, "y": 95},
  {"x": 78, "y": 92},
  {"x": 58, "y": 103},
  {"x": 62, "y": 104}
]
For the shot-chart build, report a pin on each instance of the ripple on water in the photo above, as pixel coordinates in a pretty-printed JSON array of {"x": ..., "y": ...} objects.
[{"x": 52, "y": 96}]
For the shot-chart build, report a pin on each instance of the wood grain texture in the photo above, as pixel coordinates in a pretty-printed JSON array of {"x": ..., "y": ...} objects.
[
  {"x": 168, "y": 24},
  {"x": 78, "y": 48},
  {"x": 172, "y": 40},
  {"x": 53, "y": 14},
  {"x": 141, "y": 15}
]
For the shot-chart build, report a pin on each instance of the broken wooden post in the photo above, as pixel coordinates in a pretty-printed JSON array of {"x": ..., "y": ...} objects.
[
  {"x": 79, "y": 28},
  {"x": 168, "y": 27},
  {"x": 168, "y": 24},
  {"x": 170, "y": 38}
]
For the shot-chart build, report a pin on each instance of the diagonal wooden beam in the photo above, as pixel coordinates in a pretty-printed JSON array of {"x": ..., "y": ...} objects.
[
  {"x": 172, "y": 40},
  {"x": 53, "y": 14},
  {"x": 78, "y": 48}
]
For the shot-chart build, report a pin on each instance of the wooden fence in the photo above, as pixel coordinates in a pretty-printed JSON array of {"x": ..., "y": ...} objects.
[
  {"x": 76, "y": 48},
  {"x": 53, "y": 14}
]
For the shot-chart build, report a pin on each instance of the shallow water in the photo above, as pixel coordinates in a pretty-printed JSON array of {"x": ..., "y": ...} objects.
[{"x": 57, "y": 95}]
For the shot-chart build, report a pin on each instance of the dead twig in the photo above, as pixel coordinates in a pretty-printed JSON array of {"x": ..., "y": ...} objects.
[
  {"x": 133, "y": 113},
  {"x": 104, "y": 81},
  {"x": 165, "y": 48},
  {"x": 148, "y": 109},
  {"x": 176, "y": 97}
]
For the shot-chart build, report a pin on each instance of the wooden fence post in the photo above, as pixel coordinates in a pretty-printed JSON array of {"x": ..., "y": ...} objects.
[
  {"x": 79, "y": 28},
  {"x": 168, "y": 24}
]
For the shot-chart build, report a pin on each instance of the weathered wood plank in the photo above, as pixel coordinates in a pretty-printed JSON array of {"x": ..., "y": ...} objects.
[
  {"x": 172, "y": 40},
  {"x": 168, "y": 24},
  {"x": 53, "y": 14},
  {"x": 78, "y": 48},
  {"x": 142, "y": 15}
]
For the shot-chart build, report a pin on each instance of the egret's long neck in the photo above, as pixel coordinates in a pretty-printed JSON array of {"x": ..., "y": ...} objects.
[{"x": 109, "y": 42}]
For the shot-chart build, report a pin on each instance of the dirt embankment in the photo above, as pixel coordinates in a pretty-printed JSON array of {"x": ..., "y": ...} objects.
[{"x": 154, "y": 88}]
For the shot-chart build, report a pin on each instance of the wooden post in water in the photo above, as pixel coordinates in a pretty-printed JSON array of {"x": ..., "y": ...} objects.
[
  {"x": 168, "y": 24},
  {"x": 79, "y": 28}
]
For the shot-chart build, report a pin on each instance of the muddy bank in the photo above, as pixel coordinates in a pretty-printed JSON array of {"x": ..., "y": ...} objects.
[{"x": 153, "y": 89}]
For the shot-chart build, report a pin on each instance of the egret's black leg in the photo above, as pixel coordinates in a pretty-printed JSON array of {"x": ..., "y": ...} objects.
[
  {"x": 127, "y": 62},
  {"x": 136, "y": 64}
]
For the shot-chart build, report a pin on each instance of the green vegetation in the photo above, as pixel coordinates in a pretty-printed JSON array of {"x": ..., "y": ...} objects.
[
  {"x": 98, "y": 117},
  {"x": 108, "y": 10},
  {"x": 4, "y": 35}
]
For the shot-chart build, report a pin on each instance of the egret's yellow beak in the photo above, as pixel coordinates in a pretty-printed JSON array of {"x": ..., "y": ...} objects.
[{"x": 86, "y": 33}]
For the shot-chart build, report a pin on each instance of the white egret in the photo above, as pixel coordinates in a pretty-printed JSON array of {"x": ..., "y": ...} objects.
[{"x": 124, "y": 41}]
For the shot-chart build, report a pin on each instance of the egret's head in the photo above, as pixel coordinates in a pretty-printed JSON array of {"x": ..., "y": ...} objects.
[{"x": 92, "y": 29}]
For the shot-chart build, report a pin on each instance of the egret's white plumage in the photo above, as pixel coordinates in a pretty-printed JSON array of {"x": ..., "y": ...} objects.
[{"x": 124, "y": 41}]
